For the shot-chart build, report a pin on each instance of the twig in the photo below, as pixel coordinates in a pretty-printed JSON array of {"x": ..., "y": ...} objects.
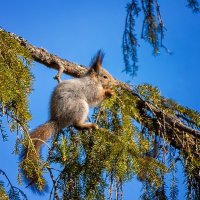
[
  {"x": 13, "y": 187},
  {"x": 54, "y": 184}
]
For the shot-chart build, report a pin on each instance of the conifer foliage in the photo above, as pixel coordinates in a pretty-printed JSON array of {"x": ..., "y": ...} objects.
[
  {"x": 152, "y": 30},
  {"x": 15, "y": 82}
]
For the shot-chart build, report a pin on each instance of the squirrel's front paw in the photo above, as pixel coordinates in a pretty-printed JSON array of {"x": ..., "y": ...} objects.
[
  {"x": 109, "y": 93},
  {"x": 95, "y": 126}
]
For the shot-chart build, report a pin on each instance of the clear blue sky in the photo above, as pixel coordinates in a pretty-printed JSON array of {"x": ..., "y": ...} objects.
[{"x": 75, "y": 29}]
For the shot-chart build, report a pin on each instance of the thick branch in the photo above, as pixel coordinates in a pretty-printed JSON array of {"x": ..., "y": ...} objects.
[
  {"x": 178, "y": 134},
  {"x": 50, "y": 60},
  {"x": 176, "y": 138}
]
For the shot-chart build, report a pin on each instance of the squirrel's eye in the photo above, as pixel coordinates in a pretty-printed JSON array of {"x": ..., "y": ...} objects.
[{"x": 105, "y": 77}]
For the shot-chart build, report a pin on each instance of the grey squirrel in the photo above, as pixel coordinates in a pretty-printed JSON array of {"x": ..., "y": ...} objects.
[{"x": 71, "y": 99}]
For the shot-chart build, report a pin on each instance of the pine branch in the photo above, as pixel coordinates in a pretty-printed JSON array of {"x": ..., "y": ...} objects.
[{"x": 178, "y": 134}]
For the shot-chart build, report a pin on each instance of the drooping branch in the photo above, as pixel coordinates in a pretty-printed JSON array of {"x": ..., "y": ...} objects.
[
  {"x": 178, "y": 134},
  {"x": 14, "y": 191}
]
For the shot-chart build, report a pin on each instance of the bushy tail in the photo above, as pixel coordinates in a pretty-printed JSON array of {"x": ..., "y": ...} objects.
[
  {"x": 41, "y": 134},
  {"x": 32, "y": 167}
]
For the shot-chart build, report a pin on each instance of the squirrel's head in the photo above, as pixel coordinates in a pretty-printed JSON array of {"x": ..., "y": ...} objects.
[{"x": 99, "y": 74}]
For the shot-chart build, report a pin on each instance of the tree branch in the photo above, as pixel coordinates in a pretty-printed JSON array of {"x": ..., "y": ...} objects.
[{"x": 174, "y": 127}]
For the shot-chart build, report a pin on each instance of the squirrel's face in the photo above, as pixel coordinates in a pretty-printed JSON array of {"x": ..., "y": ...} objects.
[
  {"x": 106, "y": 79},
  {"x": 99, "y": 74}
]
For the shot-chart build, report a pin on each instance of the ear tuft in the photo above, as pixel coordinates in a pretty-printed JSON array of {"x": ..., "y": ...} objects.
[{"x": 97, "y": 61}]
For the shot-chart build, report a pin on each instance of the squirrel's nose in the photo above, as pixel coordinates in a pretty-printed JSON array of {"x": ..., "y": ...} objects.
[{"x": 115, "y": 83}]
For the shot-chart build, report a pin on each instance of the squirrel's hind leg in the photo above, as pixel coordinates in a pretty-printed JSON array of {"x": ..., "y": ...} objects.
[{"x": 81, "y": 116}]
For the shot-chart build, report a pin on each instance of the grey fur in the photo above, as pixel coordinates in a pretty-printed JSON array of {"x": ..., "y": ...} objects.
[{"x": 71, "y": 100}]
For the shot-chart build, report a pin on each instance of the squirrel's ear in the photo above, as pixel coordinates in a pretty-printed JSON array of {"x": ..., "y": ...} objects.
[{"x": 97, "y": 62}]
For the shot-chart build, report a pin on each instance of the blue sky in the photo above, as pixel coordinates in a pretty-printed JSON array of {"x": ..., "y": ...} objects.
[{"x": 76, "y": 29}]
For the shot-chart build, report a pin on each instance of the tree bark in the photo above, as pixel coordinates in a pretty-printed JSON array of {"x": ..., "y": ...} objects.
[{"x": 178, "y": 134}]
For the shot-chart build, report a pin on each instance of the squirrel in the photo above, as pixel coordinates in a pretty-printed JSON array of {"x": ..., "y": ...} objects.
[
  {"x": 70, "y": 102},
  {"x": 71, "y": 99}
]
